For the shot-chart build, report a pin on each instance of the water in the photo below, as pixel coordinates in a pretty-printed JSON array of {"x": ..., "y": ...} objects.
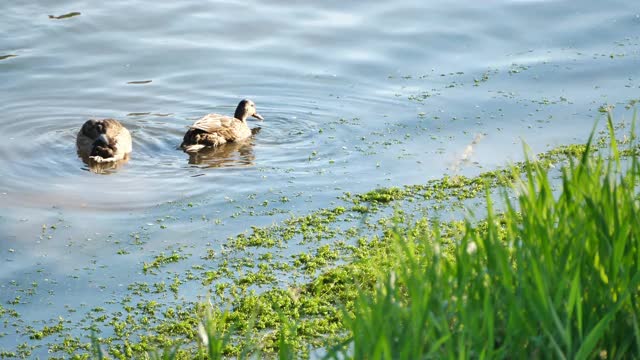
[{"x": 354, "y": 97}]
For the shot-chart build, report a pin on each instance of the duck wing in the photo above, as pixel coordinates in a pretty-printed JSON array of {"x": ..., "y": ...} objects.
[
  {"x": 213, "y": 123},
  {"x": 113, "y": 128}
]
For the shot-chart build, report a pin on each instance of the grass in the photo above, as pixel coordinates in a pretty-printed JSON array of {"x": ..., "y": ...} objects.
[{"x": 554, "y": 274}]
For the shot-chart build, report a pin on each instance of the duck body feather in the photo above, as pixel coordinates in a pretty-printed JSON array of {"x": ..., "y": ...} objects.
[
  {"x": 214, "y": 130},
  {"x": 104, "y": 140}
]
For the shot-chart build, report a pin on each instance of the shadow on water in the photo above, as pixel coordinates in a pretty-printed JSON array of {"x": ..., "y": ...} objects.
[{"x": 232, "y": 154}]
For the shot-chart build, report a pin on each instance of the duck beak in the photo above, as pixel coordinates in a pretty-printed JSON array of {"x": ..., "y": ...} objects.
[
  {"x": 103, "y": 139},
  {"x": 258, "y": 116}
]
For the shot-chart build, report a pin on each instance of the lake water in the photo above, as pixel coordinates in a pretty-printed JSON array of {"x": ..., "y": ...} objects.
[{"x": 355, "y": 96}]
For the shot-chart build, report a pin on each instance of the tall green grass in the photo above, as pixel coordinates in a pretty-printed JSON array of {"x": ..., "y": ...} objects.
[{"x": 555, "y": 275}]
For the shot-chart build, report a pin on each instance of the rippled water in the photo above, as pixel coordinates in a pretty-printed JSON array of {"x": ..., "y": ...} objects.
[{"x": 354, "y": 96}]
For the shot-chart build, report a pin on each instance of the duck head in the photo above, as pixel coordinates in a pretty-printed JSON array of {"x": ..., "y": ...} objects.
[
  {"x": 245, "y": 109},
  {"x": 103, "y": 147}
]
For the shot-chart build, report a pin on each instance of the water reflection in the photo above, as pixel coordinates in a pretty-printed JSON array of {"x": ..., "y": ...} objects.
[{"x": 232, "y": 154}]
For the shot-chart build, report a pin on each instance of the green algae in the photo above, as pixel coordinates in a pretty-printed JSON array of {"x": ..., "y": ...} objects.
[
  {"x": 161, "y": 260},
  {"x": 317, "y": 307},
  {"x": 311, "y": 263},
  {"x": 47, "y": 330},
  {"x": 383, "y": 196}
]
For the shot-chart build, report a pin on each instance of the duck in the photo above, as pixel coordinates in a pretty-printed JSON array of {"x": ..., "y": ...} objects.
[
  {"x": 213, "y": 130},
  {"x": 103, "y": 141}
]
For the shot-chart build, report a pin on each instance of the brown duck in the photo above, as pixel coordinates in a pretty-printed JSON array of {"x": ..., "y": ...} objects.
[
  {"x": 214, "y": 129},
  {"x": 103, "y": 140}
]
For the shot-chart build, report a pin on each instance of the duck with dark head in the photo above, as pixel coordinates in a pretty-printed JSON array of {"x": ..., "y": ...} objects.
[
  {"x": 103, "y": 141},
  {"x": 214, "y": 129}
]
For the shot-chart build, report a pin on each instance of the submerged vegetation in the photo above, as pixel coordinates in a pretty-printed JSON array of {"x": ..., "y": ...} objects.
[{"x": 552, "y": 272}]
